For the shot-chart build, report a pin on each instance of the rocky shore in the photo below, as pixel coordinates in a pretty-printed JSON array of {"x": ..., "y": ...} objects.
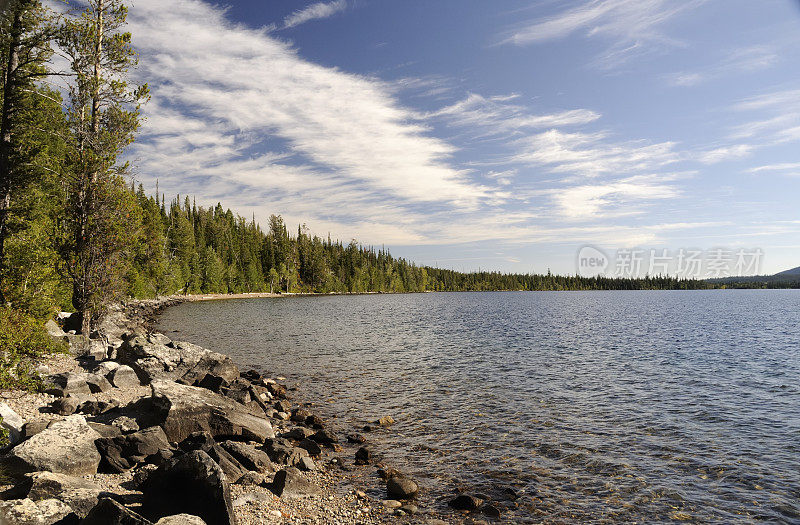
[{"x": 134, "y": 428}]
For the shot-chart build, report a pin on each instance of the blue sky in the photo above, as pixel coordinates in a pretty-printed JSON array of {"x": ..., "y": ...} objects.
[{"x": 474, "y": 134}]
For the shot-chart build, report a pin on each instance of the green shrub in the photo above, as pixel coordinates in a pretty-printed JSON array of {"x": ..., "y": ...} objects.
[{"x": 23, "y": 342}]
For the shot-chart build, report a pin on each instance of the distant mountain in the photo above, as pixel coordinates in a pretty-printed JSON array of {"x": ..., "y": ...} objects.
[{"x": 788, "y": 273}]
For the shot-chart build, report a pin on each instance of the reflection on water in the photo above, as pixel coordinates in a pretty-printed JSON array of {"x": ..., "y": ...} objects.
[{"x": 626, "y": 406}]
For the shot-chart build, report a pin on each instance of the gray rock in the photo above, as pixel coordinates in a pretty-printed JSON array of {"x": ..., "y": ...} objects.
[
  {"x": 125, "y": 424},
  {"x": 97, "y": 383},
  {"x": 110, "y": 512},
  {"x": 123, "y": 452},
  {"x": 93, "y": 407},
  {"x": 401, "y": 488},
  {"x": 251, "y": 478},
  {"x": 363, "y": 456},
  {"x": 325, "y": 437},
  {"x": 182, "y": 409},
  {"x": 192, "y": 483},
  {"x": 181, "y": 519},
  {"x": 96, "y": 349},
  {"x": 80, "y": 494},
  {"x": 33, "y": 427},
  {"x": 65, "y": 447},
  {"x": 153, "y": 360},
  {"x": 290, "y": 483},
  {"x": 310, "y": 446},
  {"x": 12, "y": 422},
  {"x": 250, "y": 457},
  {"x": 298, "y": 433},
  {"x": 282, "y": 451},
  {"x": 29, "y": 512},
  {"x": 64, "y": 406},
  {"x": 124, "y": 377},
  {"x": 409, "y": 509},
  {"x": 53, "y": 330},
  {"x": 66, "y": 383},
  {"x": 106, "y": 367},
  {"x": 306, "y": 464},
  {"x": 106, "y": 431}
]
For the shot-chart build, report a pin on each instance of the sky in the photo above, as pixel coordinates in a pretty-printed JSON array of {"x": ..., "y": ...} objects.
[{"x": 471, "y": 135}]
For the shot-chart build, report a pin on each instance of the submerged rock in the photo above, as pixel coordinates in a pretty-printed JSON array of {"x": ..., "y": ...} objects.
[
  {"x": 466, "y": 502},
  {"x": 401, "y": 488}
]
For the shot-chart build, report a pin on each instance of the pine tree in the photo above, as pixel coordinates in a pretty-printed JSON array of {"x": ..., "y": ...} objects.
[{"x": 103, "y": 115}]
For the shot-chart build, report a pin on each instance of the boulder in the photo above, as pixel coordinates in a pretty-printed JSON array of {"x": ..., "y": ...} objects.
[
  {"x": 248, "y": 456},
  {"x": 125, "y": 424},
  {"x": 33, "y": 427},
  {"x": 203, "y": 441},
  {"x": 306, "y": 464},
  {"x": 310, "y": 446},
  {"x": 194, "y": 484},
  {"x": 283, "y": 452},
  {"x": 290, "y": 483},
  {"x": 181, "y": 519},
  {"x": 357, "y": 439},
  {"x": 80, "y": 494},
  {"x": 325, "y": 437},
  {"x": 401, "y": 488},
  {"x": 300, "y": 414},
  {"x": 298, "y": 433},
  {"x": 251, "y": 477},
  {"x": 29, "y": 512},
  {"x": 153, "y": 359},
  {"x": 211, "y": 365},
  {"x": 66, "y": 383},
  {"x": 65, "y": 447},
  {"x": 106, "y": 367},
  {"x": 111, "y": 512},
  {"x": 64, "y": 406},
  {"x": 93, "y": 407},
  {"x": 123, "y": 452},
  {"x": 96, "y": 349},
  {"x": 12, "y": 422},
  {"x": 182, "y": 409},
  {"x": 106, "y": 431},
  {"x": 97, "y": 383},
  {"x": 124, "y": 377}
]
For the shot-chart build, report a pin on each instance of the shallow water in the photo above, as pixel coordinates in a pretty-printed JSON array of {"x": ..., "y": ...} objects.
[{"x": 620, "y": 406}]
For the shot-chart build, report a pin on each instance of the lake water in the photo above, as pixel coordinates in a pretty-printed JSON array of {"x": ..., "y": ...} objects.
[{"x": 622, "y": 406}]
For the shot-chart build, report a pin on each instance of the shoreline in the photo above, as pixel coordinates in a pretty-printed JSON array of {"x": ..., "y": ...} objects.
[{"x": 146, "y": 400}]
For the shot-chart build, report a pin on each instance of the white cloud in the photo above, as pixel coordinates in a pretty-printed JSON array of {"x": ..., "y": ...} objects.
[
  {"x": 224, "y": 93},
  {"x": 314, "y": 12},
  {"x": 745, "y": 60},
  {"x": 726, "y": 153},
  {"x": 777, "y": 121},
  {"x": 613, "y": 199},
  {"x": 786, "y": 168},
  {"x": 497, "y": 116},
  {"x": 632, "y": 26},
  {"x": 592, "y": 154}
]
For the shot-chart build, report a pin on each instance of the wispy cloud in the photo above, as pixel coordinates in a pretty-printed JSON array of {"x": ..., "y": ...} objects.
[
  {"x": 786, "y": 169},
  {"x": 745, "y": 60},
  {"x": 632, "y": 26},
  {"x": 498, "y": 116},
  {"x": 777, "y": 120},
  {"x": 593, "y": 154},
  {"x": 314, "y": 12},
  {"x": 615, "y": 199},
  {"x": 726, "y": 153}
]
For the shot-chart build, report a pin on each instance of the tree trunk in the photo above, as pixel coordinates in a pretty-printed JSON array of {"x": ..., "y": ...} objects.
[
  {"x": 10, "y": 86},
  {"x": 82, "y": 293}
]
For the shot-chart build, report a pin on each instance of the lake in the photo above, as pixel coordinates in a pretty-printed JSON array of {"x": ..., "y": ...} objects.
[{"x": 626, "y": 406}]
